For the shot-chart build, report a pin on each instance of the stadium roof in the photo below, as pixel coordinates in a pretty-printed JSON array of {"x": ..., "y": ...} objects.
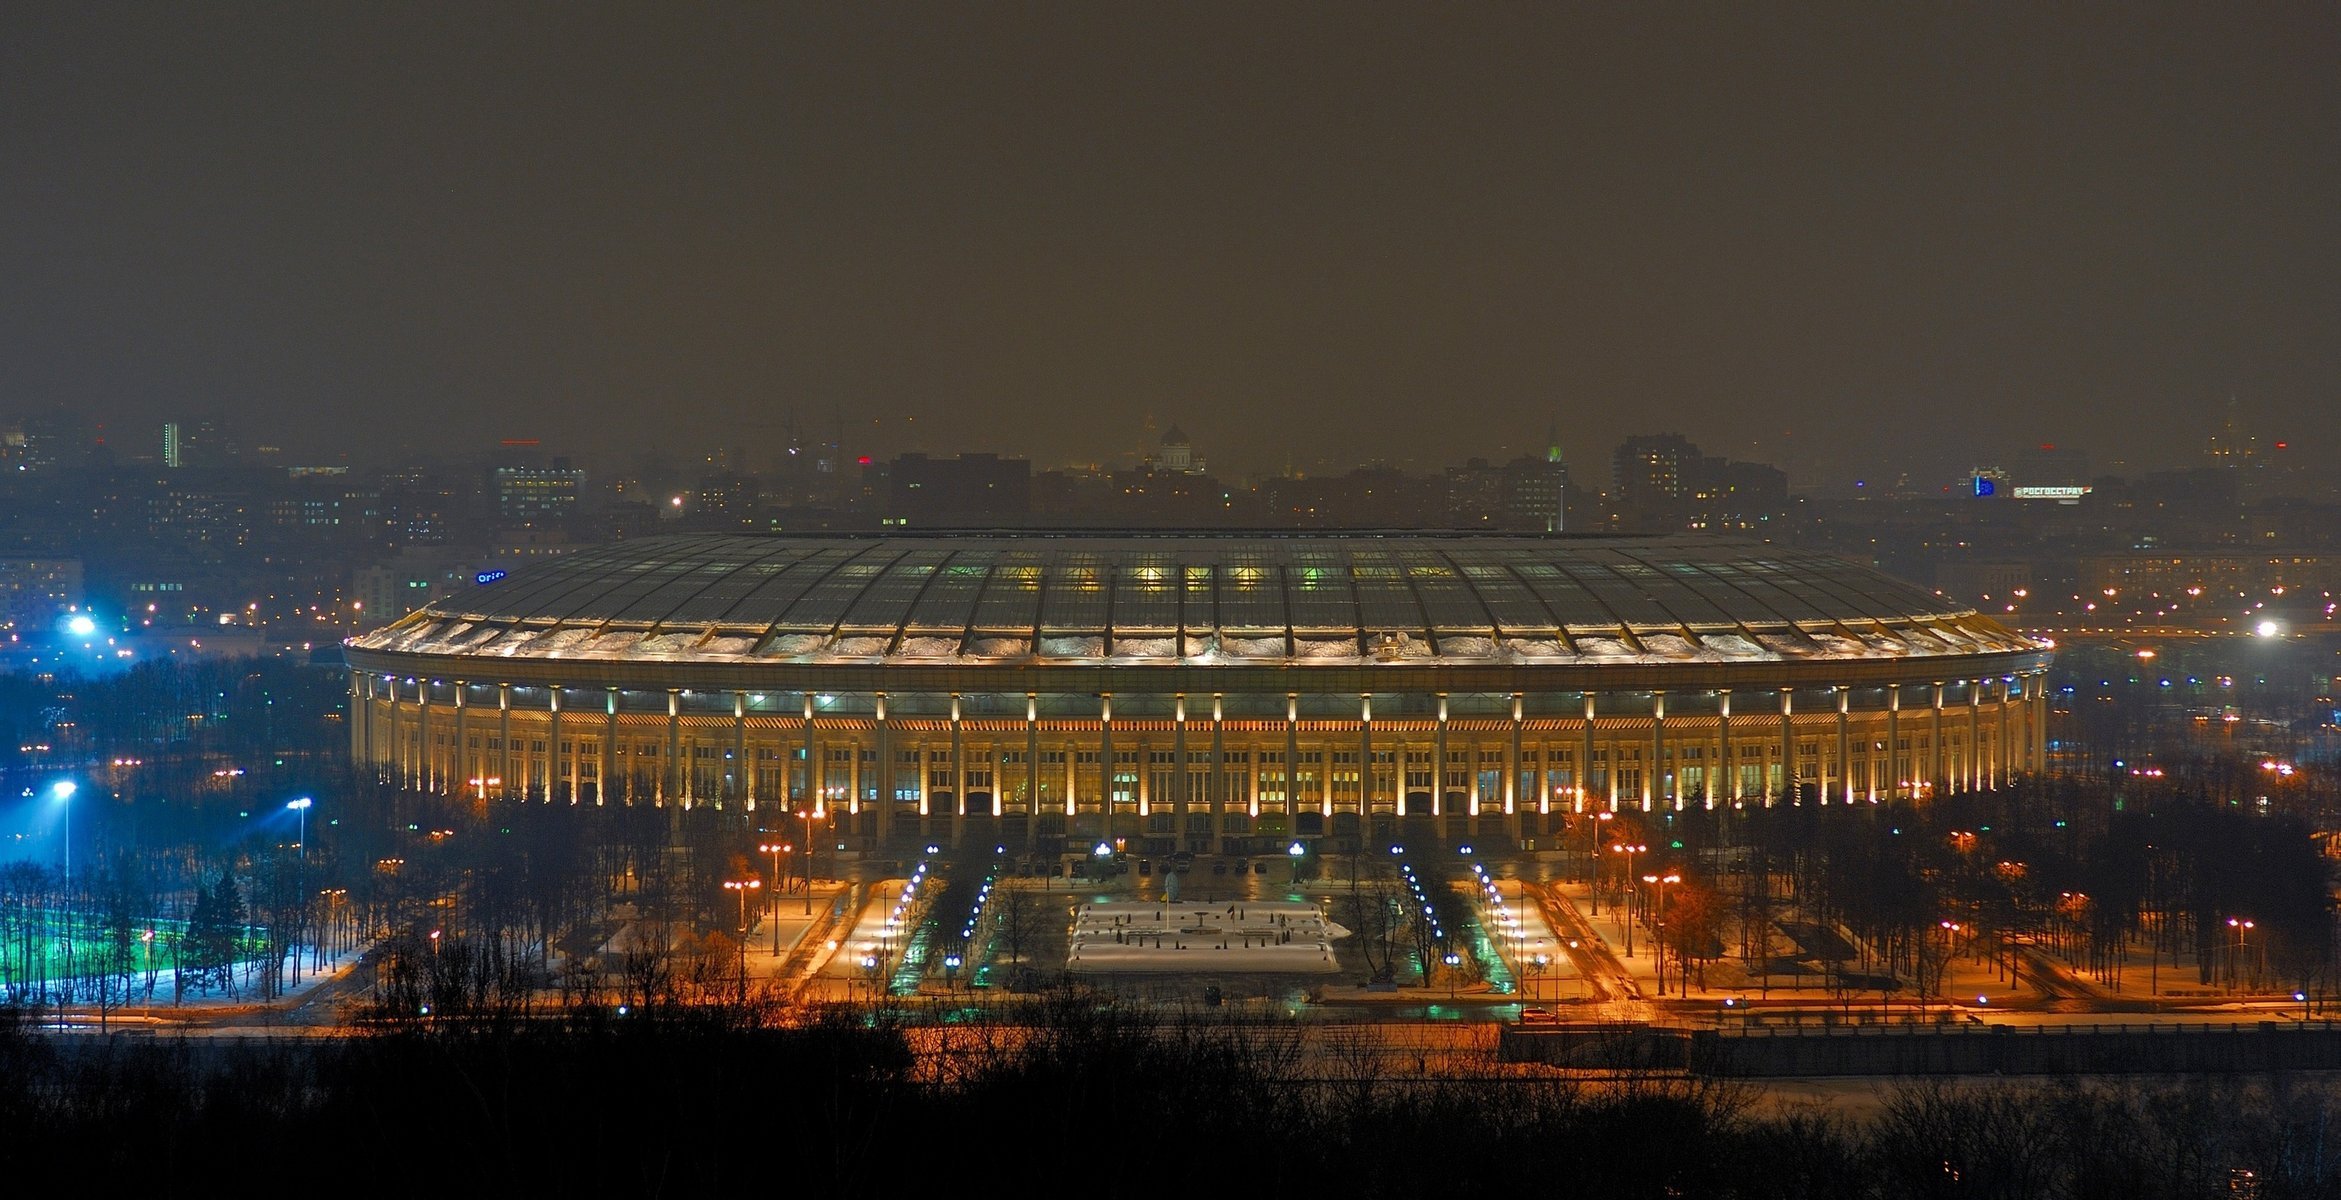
[{"x": 1195, "y": 600}]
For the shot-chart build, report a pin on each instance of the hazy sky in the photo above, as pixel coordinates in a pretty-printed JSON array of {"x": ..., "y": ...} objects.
[{"x": 1841, "y": 237}]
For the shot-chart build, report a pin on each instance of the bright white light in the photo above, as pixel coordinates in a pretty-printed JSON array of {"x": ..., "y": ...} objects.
[
  {"x": 81, "y": 626},
  {"x": 63, "y": 789},
  {"x": 2268, "y": 629},
  {"x": 298, "y": 805}
]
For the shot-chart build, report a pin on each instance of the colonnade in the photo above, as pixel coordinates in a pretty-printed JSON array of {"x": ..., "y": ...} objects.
[{"x": 1198, "y": 776}]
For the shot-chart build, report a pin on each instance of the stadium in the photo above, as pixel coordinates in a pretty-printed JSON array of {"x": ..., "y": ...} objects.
[{"x": 1198, "y": 692}]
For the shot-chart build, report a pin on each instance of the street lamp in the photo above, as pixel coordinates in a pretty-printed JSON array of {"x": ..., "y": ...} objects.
[
  {"x": 776, "y": 849},
  {"x": 62, "y": 791},
  {"x": 1593, "y": 856},
  {"x": 2235, "y": 964},
  {"x": 1951, "y": 931},
  {"x": 1296, "y": 850},
  {"x": 301, "y": 805},
  {"x": 1454, "y": 965},
  {"x": 1662, "y": 881},
  {"x": 1629, "y": 849},
  {"x": 743, "y": 887}
]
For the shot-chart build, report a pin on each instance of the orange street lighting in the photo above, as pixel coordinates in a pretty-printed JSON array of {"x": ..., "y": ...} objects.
[
  {"x": 1629, "y": 850},
  {"x": 743, "y": 887}
]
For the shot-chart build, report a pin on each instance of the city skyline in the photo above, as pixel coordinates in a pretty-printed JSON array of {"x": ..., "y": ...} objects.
[{"x": 1409, "y": 239}]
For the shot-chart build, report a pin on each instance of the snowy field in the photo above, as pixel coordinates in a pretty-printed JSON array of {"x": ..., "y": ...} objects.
[{"x": 1267, "y": 937}]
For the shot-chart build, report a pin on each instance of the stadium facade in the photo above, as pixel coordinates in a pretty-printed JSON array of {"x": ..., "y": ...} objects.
[{"x": 1199, "y": 692}]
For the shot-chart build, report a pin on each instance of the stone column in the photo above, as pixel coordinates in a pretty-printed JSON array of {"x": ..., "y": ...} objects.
[
  {"x": 1512, "y": 774},
  {"x": 1938, "y": 778},
  {"x": 556, "y": 763},
  {"x": 1894, "y": 768},
  {"x": 958, "y": 774},
  {"x": 671, "y": 779},
  {"x": 1654, "y": 780},
  {"x": 1976, "y": 780},
  {"x": 1216, "y": 785},
  {"x": 1585, "y": 758},
  {"x": 1106, "y": 766},
  {"x": 1292, "y": 760},
  {"x": 504, "y": 740},
  {"x": 887, "y": 788},
  {"x": 609, "y": 767},
  {"x": 1032, "y": 769},
  {"x": 463, "y": 767},
  {"x": 1844, "y": 748},
  {"x": 1439, "y": 768},
  {"x": 1788, "y": 746},
  {"x": 1729, "y": 762}
]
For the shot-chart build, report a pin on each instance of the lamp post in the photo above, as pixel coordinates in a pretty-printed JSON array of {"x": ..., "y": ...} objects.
[
  {"x": 63, "y": 790},
  {"x": 1950, "y": 946},
  {"x": 776, "y": 849},
  {"x": 1661, "y": 881},
  {"x": 2242, "y": 928},
  {"x": 301, "y": 805},
  {"x": 1296, "y": 850},
  {"x": 1454, "y": 968},
  {"x": 743, "y": 887},
  {"x": 1593, "y": 856},
  {"x": 1629, "y": 849}
]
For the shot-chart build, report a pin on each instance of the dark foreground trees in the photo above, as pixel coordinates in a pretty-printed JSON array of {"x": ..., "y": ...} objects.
[{"x": 1080, "y": 1096}]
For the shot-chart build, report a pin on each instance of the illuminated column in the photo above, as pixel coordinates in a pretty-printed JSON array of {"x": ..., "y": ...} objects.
[
  {"x": 1365, "y": 762},
  {"x": 504, "y": 738},
  {"x": 1585, "y": 757},
  {"x": 1072, "y": 776},
  {"x": 1216, "y": 785},
  {"x": 811, "y": 798},
  {"x": 1143, "y": 782},
  {"x": 1032, "y": 769},
  {"x": 1439, "y": 768},
  {"x": 1512, "y": 774},
  {"x": 1292, "y": 759},
  {"x": 743, "y": 772},
  {"x": 1937, "y": 779},
  {"x": 1729, "y": 763},
  {"x": 670, "y": 777},
  {"x": 1788, "y": 746},
  {"x": 1105, "y": 762},
  {"x": 1179, "y": 766},
  {"x": 853, "y": 785},
  {"x": 1844, "y": 748},
  {"x": 1974, "y": 735},
  {"x": 425, "y": 760},
  {"x": 1654, "y": 780},
  {"x": 1894, "y": 768},
  {"x": 958, "y": 773},
  {"x": 609, "y": 767},
  {"x": 464, "y": 769},
  {"x": 556, "y": 763},
  {"x": 2010, "y": 713},
  {"x": 887, "y": 788},
  {"x": 2040, "y": 704}
]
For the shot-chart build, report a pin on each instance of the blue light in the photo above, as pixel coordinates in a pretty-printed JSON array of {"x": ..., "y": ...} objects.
[
  {"x": 80, "y": 625},
  {"x": 487, "y": 577}
]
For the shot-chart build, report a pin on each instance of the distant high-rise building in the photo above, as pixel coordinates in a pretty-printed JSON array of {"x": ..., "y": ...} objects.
[
  {"x": 36, "y": 592},
  {"x": 201, "y": 443},
  {"x": 537, "y": 495},
  {"x": 1664, "y": 484}
]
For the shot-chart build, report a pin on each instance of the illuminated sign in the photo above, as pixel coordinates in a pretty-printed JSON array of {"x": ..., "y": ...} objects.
[
  {"x": 1984, "y": 486},
  {"x": 2066, "y": 493},
  {"x": 489, "y": 576}
]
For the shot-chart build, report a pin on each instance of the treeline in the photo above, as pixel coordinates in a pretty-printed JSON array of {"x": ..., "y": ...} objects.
[{"x": 1077, "y": 1095}]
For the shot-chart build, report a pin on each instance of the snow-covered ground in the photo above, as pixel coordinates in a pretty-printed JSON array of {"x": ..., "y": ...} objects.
[{"x": 1262, "y": 936}]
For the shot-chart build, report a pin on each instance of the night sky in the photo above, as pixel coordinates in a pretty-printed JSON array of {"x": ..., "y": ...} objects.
[{"x": 1846, "y": 239}]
